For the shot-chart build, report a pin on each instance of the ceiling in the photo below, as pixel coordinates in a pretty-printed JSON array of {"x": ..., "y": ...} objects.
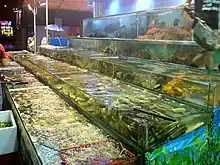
[{"x": 76, "y": 5}]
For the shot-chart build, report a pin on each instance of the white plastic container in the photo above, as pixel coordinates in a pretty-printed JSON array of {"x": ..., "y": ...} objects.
[{"x": 8, "y": 135}]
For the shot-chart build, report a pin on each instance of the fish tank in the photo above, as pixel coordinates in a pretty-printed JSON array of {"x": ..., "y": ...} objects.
[
  {"x": 195, "y": 86},
  {"x": 46, "y": 133},
  {"x": 20, "y": 78},
  {"x": 42, "y": 117},
  {"x": 164, "y": 24},
  {"x": 158, "y": 24},
  {"x": 177, "y": 52},
  {"x": 118, "y": 26},
  {"x": 125, "y": 109}
]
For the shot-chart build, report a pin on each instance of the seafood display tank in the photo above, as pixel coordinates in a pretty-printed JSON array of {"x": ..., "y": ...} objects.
[
  {"x": 177, "y": 52},
  {"x": 174, "y": 105},
  {"x": 177, "y": 81},
  {"x": 50, "y": 130},
  {"x": 122, "y": 96},
  {"x": 158, "y": 24}
]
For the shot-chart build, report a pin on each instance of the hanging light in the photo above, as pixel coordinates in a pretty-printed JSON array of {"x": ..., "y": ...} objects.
[{"x": 30, "y": 8}]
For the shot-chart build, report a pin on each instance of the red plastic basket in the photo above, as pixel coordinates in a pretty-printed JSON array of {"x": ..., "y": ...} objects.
[{"x": 130, "y": 161}]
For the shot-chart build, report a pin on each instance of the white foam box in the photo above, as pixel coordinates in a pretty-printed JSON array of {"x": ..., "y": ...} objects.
[{"x": 8, "y": 135}]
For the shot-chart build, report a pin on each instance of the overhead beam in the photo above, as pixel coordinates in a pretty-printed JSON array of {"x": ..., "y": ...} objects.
[
  {"x": 78, "y": 5},
  {"x": 68, "y": 7}
]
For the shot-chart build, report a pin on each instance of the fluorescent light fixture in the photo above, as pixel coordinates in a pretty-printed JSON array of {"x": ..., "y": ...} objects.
[
  {"x": 144, "y": 5},
  {"x": 43, "y": 4},
  {"x": 114, "y": 7},
  {"x": 17, "y": 11},
  {"x": 30, "y": 8}
]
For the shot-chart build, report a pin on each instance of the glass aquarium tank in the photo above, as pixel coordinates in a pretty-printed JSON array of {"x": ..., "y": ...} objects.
[
  {"x": 46, "y": 117},
  {"x": 130, "y": 111},
  {"x": 178, "y": 52},
  {"x": 194, "y": 86},
  {"x": 11, "y": 65},
  {"x": 20, "y": 78},
  {"x": 158, "y": 24},
  {"x": 119, "y": 26},
  {"x": 164, "y": 24},
  {"x": 43, "y": 117}
]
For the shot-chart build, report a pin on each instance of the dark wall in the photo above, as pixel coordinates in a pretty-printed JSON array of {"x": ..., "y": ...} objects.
[
  {"x": 69, "y": 18},
  {"x": 6, "y": 13}
]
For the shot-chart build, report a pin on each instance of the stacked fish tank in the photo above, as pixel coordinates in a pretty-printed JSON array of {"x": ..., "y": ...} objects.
[
  {"x": 177, "y": 81},
  {"x": 149, "y": 119},
  {"x": 165, "y": 24},
  {"x": 146, "y": 96},
  {"x": 177, "y": 52},
  {"x": 49, "y": 127},
  {"x": 121, "y": 26},
  {"x": 170, "y": 83},
  {"x": 159, "y": 24}
]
